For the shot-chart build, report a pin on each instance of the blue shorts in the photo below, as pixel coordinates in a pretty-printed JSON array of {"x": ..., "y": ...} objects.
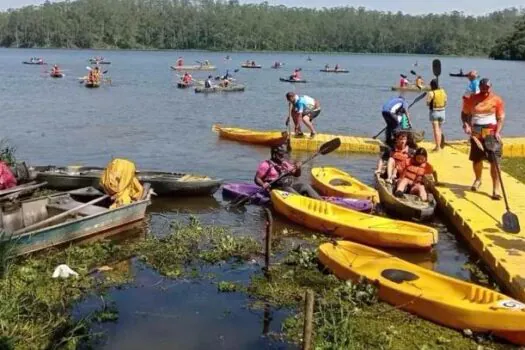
[{"x": 437, "y": 116}]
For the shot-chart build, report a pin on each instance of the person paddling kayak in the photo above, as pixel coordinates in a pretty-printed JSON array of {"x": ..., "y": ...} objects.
[
  {"x": 403, "y": 82},
  {"x": 179, "y": 62},
  {"x": 483, "y": 115},
  {"x": 55, "y": 70},
  {"x": 270, "y": 170},
  {"x": 303, "y": 108},
  {"x": 187, "y": 78},
  {"x": 296, "y": 75},
  {"x": 208, "y": 83}
]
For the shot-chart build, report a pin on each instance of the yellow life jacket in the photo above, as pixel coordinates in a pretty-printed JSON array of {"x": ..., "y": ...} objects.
[{"x": 439, "y": 101}]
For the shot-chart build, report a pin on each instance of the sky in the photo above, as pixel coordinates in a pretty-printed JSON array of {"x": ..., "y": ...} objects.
[{"x": 471, "y": 7}]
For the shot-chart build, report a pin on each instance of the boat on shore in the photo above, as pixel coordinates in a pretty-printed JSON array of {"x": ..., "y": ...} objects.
[
  {"x": 256, "y": 137},
  {"x": 441, "y": 299},
  {"x": 40, "y": 223},
  {"x": 243, "y": 190},
  {"x": 162, "y": 183},
  {"x": 22, "y": 190},
  {"x": 408, "y": 207}
]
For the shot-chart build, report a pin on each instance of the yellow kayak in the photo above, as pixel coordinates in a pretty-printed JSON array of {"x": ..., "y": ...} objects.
[
  {"x": 267, "y": 138},
  {"x": 436, "y": 297},
  {"x": 410, "y": 88},
  {"x": 360, "y": 227},
  {"x": 336, "y": 183}
]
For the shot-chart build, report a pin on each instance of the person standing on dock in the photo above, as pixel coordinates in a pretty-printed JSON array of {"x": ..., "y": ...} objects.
[
  {"x": 436, "y": 102},
  {"x": 303, "y": 108},
  {"x": 482, "y": 115},
  {"x": 393, "y": 112}
]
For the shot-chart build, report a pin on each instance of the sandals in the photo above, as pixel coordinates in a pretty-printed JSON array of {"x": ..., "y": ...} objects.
[
  {"x": 475, "y": 186},
  {"x": 496, "y": 197}
]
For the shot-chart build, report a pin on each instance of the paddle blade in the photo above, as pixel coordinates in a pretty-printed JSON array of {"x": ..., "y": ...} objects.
[
  {"x": 511, "y": 223},
  {"x": 330, "y": 146},
  {"x": 436, "y": 67},
  {"x": 413, "y": 72}
]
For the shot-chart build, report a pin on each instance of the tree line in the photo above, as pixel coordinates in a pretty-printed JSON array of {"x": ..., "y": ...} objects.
[
  {"x": 228, "y": 25},
  {"x": 512, "y": 46}
]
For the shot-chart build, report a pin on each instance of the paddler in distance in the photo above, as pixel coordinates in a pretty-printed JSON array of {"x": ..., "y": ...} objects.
[
  {"x": 270, "y": 170},
  {"x": 179, "y": 62}
]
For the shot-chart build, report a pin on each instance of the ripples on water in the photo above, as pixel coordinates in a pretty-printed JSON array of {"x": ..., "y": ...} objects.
[{"x": 145, "y": 118}]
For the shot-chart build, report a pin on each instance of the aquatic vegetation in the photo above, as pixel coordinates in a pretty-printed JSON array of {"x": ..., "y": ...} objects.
[
  {"x": 228, "y": 287},
  {"x": 7, "y": 152}
]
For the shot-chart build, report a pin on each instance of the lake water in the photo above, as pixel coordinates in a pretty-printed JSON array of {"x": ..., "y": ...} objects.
[{"x": 144, "y": 117}]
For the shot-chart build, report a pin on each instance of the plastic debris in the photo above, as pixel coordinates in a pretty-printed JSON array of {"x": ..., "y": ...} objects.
[{"x": 64, "y": 271}]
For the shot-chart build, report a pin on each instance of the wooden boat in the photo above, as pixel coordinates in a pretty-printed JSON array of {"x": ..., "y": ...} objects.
[
  {"x": 409, "y": 207},
  {"x": 335, "y": 70},
  {"x": 49, "y": 221},
  {"x": 458, "y": 75},
  {"x": 195, "y": 67},
  {"x": 256, "y": 137},
  {"x": 369, "y": 229},
  {"x": 214, "y": 89},
  {"x": 162, "y": 183},
  {"x": 16, "y": 192},
  {"x": 288, "y": 80},
  {"x": 334, "y": 182},
  {"x": 182, "y": 85},
  {"x": 251, "y": 66},
  {"x": 431, "y": 295},
  {"x": 410, "y": 88},
  {"x": 92, "y": 85}
]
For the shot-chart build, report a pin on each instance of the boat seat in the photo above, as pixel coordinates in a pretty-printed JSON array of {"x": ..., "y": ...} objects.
[{"x": 68, "y": 204}]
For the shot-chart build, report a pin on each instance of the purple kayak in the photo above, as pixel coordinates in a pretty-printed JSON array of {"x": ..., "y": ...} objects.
[{"x": 240, "y": 190}]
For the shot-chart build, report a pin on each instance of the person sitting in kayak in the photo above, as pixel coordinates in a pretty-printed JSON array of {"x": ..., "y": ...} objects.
[
  {"x": 270, "y": 170},
  {"x": 403, "y": 82},
  {"x": 224, "y": 83},
  {"x": 187, "y": 78},
  {"x": 208, "y": 84},
  {"x": 395, "y": 158},
  {"x": 411, "y": 178},
  {"x": 303, "y": 108},
  {"x": 94, "y": 76},
  {"x": 327, "y": 67},
  {"x": 296, "y": 75},
  {"x": 55, "y": 70},
  {"x": 394, "y": 111},
  {"x": 253, "y": 64},
  {"x": 180, "y": 62},
  {"x": 336, "y": 67},
  {"x": 420, "y": 83}
]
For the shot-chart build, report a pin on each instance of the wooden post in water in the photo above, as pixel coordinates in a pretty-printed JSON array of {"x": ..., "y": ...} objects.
[
  {"x": 268, "y": 250},
  {"x": 308, "y": 319}
]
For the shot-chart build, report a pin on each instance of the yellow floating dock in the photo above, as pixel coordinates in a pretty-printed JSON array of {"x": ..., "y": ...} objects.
[{"x": 478, "y": 218}]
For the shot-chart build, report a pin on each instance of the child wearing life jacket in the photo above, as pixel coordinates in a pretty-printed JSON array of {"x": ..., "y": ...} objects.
[
  {"x": 412, "y": 176},
  {"x": 396, "y": 159}
]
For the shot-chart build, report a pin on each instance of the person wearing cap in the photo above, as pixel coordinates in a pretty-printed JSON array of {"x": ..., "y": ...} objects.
[
  {"x": 436, "y": 102},
  {"x": 483, "y": 115},
  {"x": 303, "y": 108},
  {"x": 473, "y": 85},
  {"x": 270, "y": 170}
]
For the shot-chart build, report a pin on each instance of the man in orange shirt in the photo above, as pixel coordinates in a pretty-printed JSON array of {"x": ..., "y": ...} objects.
[{"x": 483, "y": 114}]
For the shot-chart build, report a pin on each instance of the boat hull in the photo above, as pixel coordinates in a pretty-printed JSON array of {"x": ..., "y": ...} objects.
[
  {"x": 215, "y": 89},
  {"x": 410, "y": 89},
  {"x": 195, "y": 67},
  {"x": 334, "y": 182},
  {"x": 256, "y": 137},
  {"x": 334, "y": 71},
  {"x": 292, "y": 81}
]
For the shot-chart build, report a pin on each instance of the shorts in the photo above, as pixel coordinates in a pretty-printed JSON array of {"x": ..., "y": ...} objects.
[
  {"x": 437, "y": 116},
  {"x": 312, "y": 114},
  {"x": 477, "y": 155}
]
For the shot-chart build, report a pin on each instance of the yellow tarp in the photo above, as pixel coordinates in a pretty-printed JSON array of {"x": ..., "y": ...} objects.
[{"x": 120, "y": 182}]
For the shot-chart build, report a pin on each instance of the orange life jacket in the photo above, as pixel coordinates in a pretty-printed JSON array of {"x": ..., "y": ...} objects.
[
  {"x": 400, "y": 157},
  {"x": 415, "y": 173}
]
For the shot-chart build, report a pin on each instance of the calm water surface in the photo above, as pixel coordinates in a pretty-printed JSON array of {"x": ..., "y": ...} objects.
[{"x": 142, "y": 116}]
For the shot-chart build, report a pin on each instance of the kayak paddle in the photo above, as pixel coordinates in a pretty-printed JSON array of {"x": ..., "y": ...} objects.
[
  {"x": 325, "y": 148},
  {"x": 510, "y": 220},
  {"x": 416, "y": 100}
]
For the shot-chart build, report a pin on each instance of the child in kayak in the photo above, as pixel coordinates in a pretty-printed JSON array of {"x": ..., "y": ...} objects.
[
  {"x": 411, "y": 178},
  {"x": 396, "y": 159},
  {"x": 277, "y": 165}
]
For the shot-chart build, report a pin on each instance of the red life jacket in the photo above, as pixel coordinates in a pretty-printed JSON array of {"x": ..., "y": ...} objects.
[
  {"x": 400, "y": 157},
  {"x": 7, "y": 179},
  {"x": 415, "y": 173}
]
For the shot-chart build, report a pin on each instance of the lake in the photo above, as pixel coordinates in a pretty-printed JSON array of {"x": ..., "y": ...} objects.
[{"x": 144, "y": 117}]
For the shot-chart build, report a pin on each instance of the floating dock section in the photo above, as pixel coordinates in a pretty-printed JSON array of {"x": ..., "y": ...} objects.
[{"x": 478, "y": 218}]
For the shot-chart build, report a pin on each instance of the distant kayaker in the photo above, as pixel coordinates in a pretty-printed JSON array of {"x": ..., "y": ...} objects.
[
  {"x": 208, "y": 83},
  {"x": 473, "y": 84},
  {"x": 403, "y": 82},
  {"x": 296, "y": 75},
  {"x": 55, "y": 70},
  {"x": 336, "y": 67},
  {"x": 461, "y": 71},
  {"x": 94, "y": 75},
  {"x": 180, "y": 62},
  {"x": 303, "y": 108},
  {"x": 253, "y": 64},
  {"x": 393, "y": 112},
  {"x": 187, "y": 78},
  {"x": 395, "y": 158},
  {"x": 436, "y": 102},
  {"x": 277, "y": 165},
  {"x": 420, "y": 83},
  {"x": 411, "y": 179},
  {"x": 483, "y": 115},
  {"x": 326, "y": 66}
]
